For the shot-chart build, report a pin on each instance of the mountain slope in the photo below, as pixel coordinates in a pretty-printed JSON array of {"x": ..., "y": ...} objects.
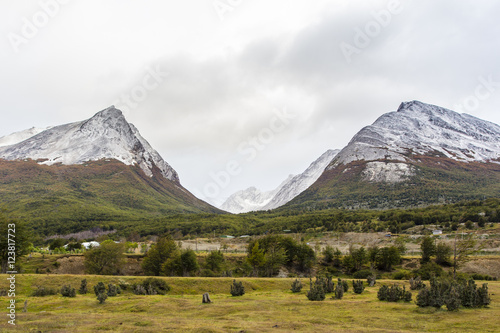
[
  {"x": 417, "y": 155},
  {"x": 301, "y": 182},
  {"x": 20, "y": 136},
  {"x": 85, "y": 173},
  {"x": 253, "y": 199}
]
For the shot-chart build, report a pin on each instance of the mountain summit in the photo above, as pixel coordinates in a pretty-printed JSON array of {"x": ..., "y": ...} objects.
[
  {"x": 97, "y": 172},
  {"x": 107, "y": 135},
  {"x": 419, "y": 154},
  {"x": 417, "y": 128}
]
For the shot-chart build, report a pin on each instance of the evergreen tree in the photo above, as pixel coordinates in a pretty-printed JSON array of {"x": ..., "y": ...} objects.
[
  {"x": 165, "y": 249},
  {"x": 107, "y": 259},
  {"x": 428, "y": 249},
  {"x": 215, "y": 261},
  {"x": 83, "y": 287},
  {"x": 256, "y": 258},
  {"x": 443, "y": 253}
]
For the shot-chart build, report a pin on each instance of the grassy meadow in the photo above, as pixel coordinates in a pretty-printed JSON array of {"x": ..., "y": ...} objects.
[{"x": 267, "y": 306}]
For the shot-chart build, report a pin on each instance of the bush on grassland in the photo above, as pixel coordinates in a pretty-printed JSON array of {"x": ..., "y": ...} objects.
[
  {"x": 43, "y": 291},
  {"x": 316, "y": 291},
  {"x": 453, "y": 294},
  {"x": 296, "y": 286},
  {"x": 358, "y": 286},
  {"x": 67, "y": 291},
  {"x": 151, "y": 286},
  {"x": 393, "y": 293},
  {"x": 237, "y": 288}
]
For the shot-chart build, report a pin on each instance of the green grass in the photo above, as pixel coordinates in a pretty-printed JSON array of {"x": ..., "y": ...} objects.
[{"x": 267, "y": 306}]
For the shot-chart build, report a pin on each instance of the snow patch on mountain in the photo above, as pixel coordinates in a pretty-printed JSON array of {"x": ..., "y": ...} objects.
[
  {"x": 253, "y": 199},
  {"x": 387, "y": 172},
  {"x": 107, "y": 135},
  {"x": 417, "y": 128}
]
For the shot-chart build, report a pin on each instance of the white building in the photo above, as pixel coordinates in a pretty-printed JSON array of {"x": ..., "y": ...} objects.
[{"x": 88, "y": 245}]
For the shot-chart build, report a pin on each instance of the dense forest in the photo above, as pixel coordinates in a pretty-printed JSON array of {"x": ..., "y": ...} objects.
[{"x": 276, "y": 221}]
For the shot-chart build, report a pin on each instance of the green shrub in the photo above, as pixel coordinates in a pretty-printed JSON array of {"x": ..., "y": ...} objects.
[
  {"x": 358, "y": 286},
  {"x": 316, "y": 292},
  {"x": 429, "y": 269},
  {"x": 237, "y": 288},
  {"x": 344, "y": 285},
  {"x": 99, "y": 288},
  {"x": 394, "y": 293},
  {"x": 339, "y": 291},
  {"x": 83, "y": 287},
  {"x": 124, "y": 285},
  {"x": 160, "y": 286},
  {"x": 472, "y": 297},
  {"x": 382, "y": 293},
  {"x": 67, "y": 291},
  {"x": 452, "y": 299},
  {"x": 296, "y": 286},
  {"x": 484, "y": 277},
  {"x": 453, "y": 294},
  {"x": 401, "y": 275},
  {"x": 42, "y": 291},
  {"x": 151, "y": 286},
  {"x": 483, "y": 296},
  {"x": 362, "y": 274},
  {"x": 113, "y": 290},
  {"x": 433, "y": 296},
  {"x": 328, "y": 285},
  {"x": 101, "y": 297},
  {"x": 208, "y": 273},
  {"x": 416, "y": 283},
  {"x": 139, "y": 290}
]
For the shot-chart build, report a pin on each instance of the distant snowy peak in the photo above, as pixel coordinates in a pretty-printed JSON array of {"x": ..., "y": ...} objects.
[
  {"x": 417, "y": 128},
  {"x": 300, "y": 183},
  {"x": 107, "y": 135},
  {"x": 20, "y": 136},
  {"x": 253, "y": 199}
]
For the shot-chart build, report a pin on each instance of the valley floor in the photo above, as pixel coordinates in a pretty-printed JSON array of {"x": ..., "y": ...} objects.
[{"x": 267, "y": 306}]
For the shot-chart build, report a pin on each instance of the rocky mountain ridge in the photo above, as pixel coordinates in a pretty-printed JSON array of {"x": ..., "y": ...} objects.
[{"x": 106, "y": 135}]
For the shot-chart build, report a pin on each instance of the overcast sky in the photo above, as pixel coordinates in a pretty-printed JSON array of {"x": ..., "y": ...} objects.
[{"x": 244, "y": 91}]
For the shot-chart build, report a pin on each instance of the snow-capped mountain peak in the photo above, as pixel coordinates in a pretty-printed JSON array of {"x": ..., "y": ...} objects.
[
  {"x": 107, "y": 135},
  {"x": 253, "y": 199},
  {"x": 417, "y": 128},
  {"x": 301, "y": 182}
]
